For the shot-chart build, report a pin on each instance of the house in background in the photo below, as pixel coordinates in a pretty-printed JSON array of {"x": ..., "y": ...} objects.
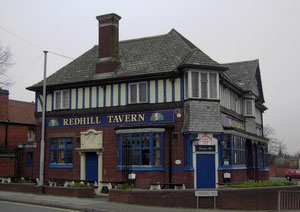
[
  {"x": 157, "y": 108},
  {"x": 17, "y": 136}
]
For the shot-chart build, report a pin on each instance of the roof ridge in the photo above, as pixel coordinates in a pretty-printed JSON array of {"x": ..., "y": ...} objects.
[
  {"x": 143, "y": 38},
  {"x": 185, "y": 40},
  {"x": 239, "y": 62}
]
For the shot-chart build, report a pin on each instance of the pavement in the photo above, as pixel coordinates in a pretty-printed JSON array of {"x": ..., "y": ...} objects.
[{"x": 97, "y": 204}]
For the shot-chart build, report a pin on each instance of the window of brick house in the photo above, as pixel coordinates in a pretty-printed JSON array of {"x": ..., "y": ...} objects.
[{"x": 61, "y": 152}]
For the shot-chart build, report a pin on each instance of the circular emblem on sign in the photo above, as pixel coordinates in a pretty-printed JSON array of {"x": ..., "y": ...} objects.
[{"x": 178, "y": 115}]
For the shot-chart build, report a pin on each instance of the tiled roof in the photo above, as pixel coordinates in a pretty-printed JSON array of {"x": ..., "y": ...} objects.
[
  {"x": 21, "y": 112},
  {"x": 243, "y": 73},
  {"x": 150, "y": 55}
]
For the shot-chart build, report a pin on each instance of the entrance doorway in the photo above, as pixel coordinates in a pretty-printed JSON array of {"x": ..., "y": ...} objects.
[
  {"x": 206, "y": 171},
  {"x": 91, "y": 166}
]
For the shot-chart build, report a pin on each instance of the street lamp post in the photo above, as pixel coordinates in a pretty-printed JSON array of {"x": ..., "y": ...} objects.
[{"x": 42, "y": 149}]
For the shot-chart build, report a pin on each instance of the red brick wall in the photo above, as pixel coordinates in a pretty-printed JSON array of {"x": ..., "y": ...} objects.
[
  {"x": 7, "y": 166},
  {"x": 17, "y": 134},
  {"x": 277, "y": 171},
  {"x": 232, "y": 199},
  {"x": 2, "y": 134},
  {"x": 3, "y": 105}
]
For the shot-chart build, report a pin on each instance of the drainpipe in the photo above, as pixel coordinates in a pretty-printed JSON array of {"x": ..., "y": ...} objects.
[{"x": 170, "y": 156}]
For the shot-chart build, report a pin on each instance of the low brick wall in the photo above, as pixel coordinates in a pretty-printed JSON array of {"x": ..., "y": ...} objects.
[
  {"x": 7, "y": 166},
  {"x": 234, "y": 199},
  {"x": 277, "y": 171},
  {"x": 19, "y": 187},
  {"x": 82, "y": 192}
]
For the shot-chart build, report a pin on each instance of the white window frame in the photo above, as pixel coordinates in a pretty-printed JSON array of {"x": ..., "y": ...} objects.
[
  {"x": 138, "y": 92},
  {"x": 61, "y": 107},
  {"x": 189, "y": 85},
  {"x": 252, "y": 107},
  {"x": 31, "y": 135}
]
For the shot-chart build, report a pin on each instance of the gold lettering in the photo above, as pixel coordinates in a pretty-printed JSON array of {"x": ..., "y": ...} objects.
[
  {"x": 120, "y": 118},
  {"x": 88, "y": 120},
  {"x": 97, "y": 120},
  {"x": 116, "y": 119},
  {"x": 109, "y": 118},
  {"x": 141, "y": 117},
  {"x": 66, "y": 122},
  {"x": 76, "y": 121},
  {"x": 92, "y": 120},
  {"x": 71, "y": 121},
  {"x": 133, "y": 117},
  {"x": 127, "y": 118}
]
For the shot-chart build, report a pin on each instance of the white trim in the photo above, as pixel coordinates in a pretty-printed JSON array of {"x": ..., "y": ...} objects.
[
  {"x": 137, "y": 92},
  {"x": 189, "y": 86},
  {"x": 61, "y": 98},
  {"x": 215, "y": 143}
]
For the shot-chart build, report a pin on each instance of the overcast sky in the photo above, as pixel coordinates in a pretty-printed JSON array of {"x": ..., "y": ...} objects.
[{"x": 227, "y": 31}]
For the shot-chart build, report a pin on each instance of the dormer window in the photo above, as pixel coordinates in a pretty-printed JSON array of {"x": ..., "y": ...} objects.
[
  {"x": 61, "y": 99},
  {"x": 202, "y": 85}
]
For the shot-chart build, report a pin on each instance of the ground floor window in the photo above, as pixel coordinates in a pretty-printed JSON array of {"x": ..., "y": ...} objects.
[
  {"x": 141, "y": 149},
  {"x": 29, "y": 159},
  {"x": 262, "y": 156},
  {"x": 232, "y": 151},
  {"x": 61, "y": 152},
  {"x": 238, "y": 150}
]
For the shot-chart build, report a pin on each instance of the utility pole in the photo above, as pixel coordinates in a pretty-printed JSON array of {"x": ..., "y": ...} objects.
[{"x": 42, "y": 153}]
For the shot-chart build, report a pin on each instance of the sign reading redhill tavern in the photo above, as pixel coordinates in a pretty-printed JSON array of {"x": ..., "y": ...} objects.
[{"x": 148, "y": 117}]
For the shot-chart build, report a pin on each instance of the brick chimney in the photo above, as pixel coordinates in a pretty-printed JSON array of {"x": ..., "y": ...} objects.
[
  {"x": 108, "y": 52},
  {"x": 4, "y": 104}
]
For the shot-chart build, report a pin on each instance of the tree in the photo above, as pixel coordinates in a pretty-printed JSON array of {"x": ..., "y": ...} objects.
[
  {"x": 275, "y": 146},
  {"x": 5, "y": 63}
]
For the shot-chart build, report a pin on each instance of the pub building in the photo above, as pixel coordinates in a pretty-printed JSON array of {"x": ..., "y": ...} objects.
[{"x": 156, "y": 109}]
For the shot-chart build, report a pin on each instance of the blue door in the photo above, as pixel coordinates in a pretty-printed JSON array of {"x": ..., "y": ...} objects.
[
  {"x": 91, "y": 159},
  {"x": 206, "y": 173}
]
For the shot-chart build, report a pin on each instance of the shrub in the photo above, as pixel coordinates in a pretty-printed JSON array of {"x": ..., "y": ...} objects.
[
  {"x": 125, "y": 186},
  {"x": 252, "y": 184}
]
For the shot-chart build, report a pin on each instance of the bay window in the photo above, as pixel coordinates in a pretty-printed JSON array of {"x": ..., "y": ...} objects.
[
  {"x": 232, "y": 151},
  {"x": 61, "y": 99},
  {"x": 200, "y": 84}
]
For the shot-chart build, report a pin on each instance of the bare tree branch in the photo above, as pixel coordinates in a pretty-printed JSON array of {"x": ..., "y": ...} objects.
[
  {"x": 275, "y": 146},
  {"x": 5, "y": 64}
]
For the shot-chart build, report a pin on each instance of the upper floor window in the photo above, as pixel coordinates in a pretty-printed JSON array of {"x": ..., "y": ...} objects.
[
  {"x": 249, "y": 107},
  {"x": 30, "y": 135},
  {"x": 138, "y": 92},
  {"x": 61, "y": 99},
  {"x": 201, "y": 85}
]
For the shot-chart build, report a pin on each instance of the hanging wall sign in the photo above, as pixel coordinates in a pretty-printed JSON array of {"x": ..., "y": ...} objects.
[{"x": 147, "y": 117}]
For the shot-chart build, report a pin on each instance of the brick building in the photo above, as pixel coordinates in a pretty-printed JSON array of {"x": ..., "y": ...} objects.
[
  {"x": 17, "y": 136},
  {"x": 157, "y": 107}
]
